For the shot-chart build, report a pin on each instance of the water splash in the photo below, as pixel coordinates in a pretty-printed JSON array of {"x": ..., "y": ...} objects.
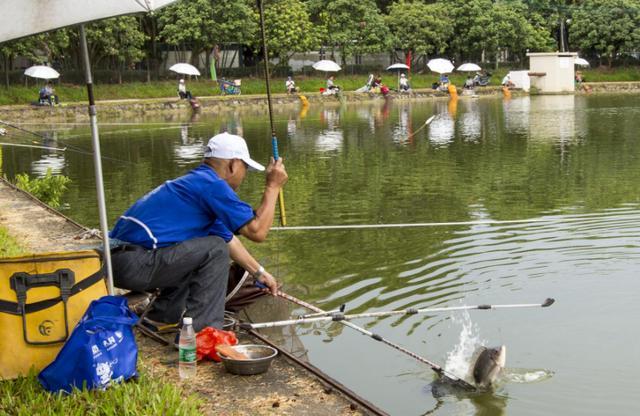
[
  {"x": 459, "y": 359},
  {"x": 526, "y": 375}
]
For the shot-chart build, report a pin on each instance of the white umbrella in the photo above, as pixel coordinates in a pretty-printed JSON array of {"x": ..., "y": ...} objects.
[
  {"x": 581, "y": 62},
  {"x": 397, "y": 67},
  {"x": 20, "y": 18},
  {"x": 441, "y": 66},
  {"x": 469, "y": 67},
  {"x": 42, "y": 72},
  {"x": 185, "y": 69},
  {"x": 326, "y": 66}
]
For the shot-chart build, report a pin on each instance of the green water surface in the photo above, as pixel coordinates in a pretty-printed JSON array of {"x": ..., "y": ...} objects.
[{"x": 570, "y": 164}]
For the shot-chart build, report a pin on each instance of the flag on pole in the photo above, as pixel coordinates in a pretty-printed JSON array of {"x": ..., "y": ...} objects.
[
  {"x": 212, "y": 69},
  {"x": 408, "y": 60}
]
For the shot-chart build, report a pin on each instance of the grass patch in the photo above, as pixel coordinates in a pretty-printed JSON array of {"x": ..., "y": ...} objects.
[
  {"x": 604, "y": 74},
  {"x": 9, "y": 247},
  {"x": 149, "y": 395}
]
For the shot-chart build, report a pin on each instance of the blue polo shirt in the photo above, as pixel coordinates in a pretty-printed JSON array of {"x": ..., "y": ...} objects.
[{"x": 194, "y": 205}]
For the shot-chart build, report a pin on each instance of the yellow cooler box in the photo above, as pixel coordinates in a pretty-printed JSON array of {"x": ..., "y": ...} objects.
[{"x": 42, "y": 297}]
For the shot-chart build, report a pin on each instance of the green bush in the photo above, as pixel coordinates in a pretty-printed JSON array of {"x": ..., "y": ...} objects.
[{"x": 48, "y": 189}]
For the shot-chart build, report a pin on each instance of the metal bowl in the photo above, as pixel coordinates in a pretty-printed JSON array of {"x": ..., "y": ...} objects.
[{"x": 260, "y": 357}]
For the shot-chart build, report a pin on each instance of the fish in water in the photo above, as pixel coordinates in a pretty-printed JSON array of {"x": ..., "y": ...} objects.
[{"x": 488, "y": 365}]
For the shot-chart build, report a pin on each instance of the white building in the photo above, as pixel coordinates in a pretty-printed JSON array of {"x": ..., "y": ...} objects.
[{"x": 552, "y": 72}]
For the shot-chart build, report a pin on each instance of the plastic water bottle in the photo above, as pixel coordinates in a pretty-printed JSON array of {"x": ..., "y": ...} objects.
[{"x": 187, "y": 350}]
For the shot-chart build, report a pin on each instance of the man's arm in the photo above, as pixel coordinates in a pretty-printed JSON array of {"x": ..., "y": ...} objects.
[
  {"x": 239, "y": 253},
  {"x": 258, "y": 228}
]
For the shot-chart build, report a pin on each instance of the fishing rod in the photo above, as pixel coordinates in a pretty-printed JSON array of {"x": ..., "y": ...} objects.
[
  {"x": 274, "y": 139},
  {"x": 435, "y": 367},
  {"x": 426, "y": 123},
  {"x": 337, "y": 316}
]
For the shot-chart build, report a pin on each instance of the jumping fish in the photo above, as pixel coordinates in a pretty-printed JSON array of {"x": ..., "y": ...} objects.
[{"x": 488, "y": 365}]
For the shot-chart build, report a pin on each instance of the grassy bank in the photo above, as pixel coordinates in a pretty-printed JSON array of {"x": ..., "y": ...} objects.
[
  {"x": 202, "y": 87},
  {"x": 149, "y": 395},
  {"x": 9, "y": 247}
]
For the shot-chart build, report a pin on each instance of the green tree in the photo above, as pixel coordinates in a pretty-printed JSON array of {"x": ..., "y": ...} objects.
[
  {"x": 607, "y": 27},
  {"x": 354, "y": 27},
  {"x": 39, "y": 49},
  {"x": 283, "y": 38},
  {"x": 119, "y": 40},
  {"x": 418, "y": 27},
  {"x": 511, "y": 30},
  {"x": 202, "y": 24},
  {"x": 472, "y": 20}
]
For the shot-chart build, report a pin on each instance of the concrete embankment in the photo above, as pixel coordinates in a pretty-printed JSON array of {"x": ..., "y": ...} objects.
[
  {"x": 110, "y": 109},
  {"x": 286, "y": 389},
  {"x": 614, "y": 87}
]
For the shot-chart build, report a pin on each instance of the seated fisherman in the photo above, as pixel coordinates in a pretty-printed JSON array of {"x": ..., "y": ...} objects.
[
  {"x": 46, "y": 94},
  {"x": 182, "y": 90},
  {"x": 506, "y": 81},
  {"x": 469, "y": 83},
  {"x": 180, "y": 236},
  {"x": 332, "y": 88},
  {"x": 404, "y": 83},
  {"x": 290, "y": 85}
]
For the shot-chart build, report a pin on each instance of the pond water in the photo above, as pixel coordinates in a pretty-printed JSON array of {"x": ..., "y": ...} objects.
[{"x": 567, "y": 166}]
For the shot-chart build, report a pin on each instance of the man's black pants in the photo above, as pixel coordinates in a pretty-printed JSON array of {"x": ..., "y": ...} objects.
[{"x": 193, "y": 276}]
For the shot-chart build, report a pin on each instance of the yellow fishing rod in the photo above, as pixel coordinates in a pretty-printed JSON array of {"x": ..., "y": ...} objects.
[{"x": 274, "y": 139}]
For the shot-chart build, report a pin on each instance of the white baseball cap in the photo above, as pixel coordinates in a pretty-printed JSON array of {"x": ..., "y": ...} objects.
[{"x": 230, "y": 146}]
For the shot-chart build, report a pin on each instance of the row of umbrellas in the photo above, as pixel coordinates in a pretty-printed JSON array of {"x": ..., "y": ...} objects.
[
  {"x": 46, "y": 72},
  {"x": 439, "y": 65}
]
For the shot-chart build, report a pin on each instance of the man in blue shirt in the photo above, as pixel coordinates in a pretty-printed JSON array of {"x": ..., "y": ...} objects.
[{"x": 180, "y": 236}]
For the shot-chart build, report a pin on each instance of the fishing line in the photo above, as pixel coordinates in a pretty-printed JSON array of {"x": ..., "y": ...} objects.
[
  {"x": 425, "y": 224},
  {"x": 68, "y": 147}
]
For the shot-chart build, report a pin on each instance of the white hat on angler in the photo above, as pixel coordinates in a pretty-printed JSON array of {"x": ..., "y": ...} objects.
[{"x": 230, "y": 146}]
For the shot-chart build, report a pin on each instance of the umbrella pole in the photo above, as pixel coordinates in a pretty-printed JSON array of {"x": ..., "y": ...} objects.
[{"x": 97, "y": 160}]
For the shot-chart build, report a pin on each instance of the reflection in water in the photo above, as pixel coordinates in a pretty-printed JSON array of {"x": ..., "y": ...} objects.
[
  {"x": 441, "y": 130},
  {"x": 470, "y": 122},
  {"x": 402, "y": 130},
  {"x": 516, "y": 114},
  {"x": 51, "y": 159},
  {"x": 189, "y": 150},
  {"x": 552, "y": 118},
  {"x": 546, "y": 118},
  {"x": 331, "y": 138}
]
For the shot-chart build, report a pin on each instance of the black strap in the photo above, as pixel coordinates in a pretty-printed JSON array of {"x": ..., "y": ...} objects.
[{"x": 13, "y": 308}]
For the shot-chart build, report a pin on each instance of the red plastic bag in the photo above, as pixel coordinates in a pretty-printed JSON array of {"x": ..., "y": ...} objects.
[{"x": 208, "y": 338}]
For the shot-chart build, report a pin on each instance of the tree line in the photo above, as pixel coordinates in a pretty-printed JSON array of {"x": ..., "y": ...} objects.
[{"x": 464, "y": 30}]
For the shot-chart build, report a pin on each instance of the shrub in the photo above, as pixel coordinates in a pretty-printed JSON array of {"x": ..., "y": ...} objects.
[{"x": 48, "y": 189}]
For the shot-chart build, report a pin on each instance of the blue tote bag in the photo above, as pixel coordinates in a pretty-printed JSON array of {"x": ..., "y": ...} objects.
[{"x": 101, "y": 350}]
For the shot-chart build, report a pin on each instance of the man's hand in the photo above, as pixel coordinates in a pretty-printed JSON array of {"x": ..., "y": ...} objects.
[
  {"x": 270, "y": 282},
  {"x": 276, "y": 174}
]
